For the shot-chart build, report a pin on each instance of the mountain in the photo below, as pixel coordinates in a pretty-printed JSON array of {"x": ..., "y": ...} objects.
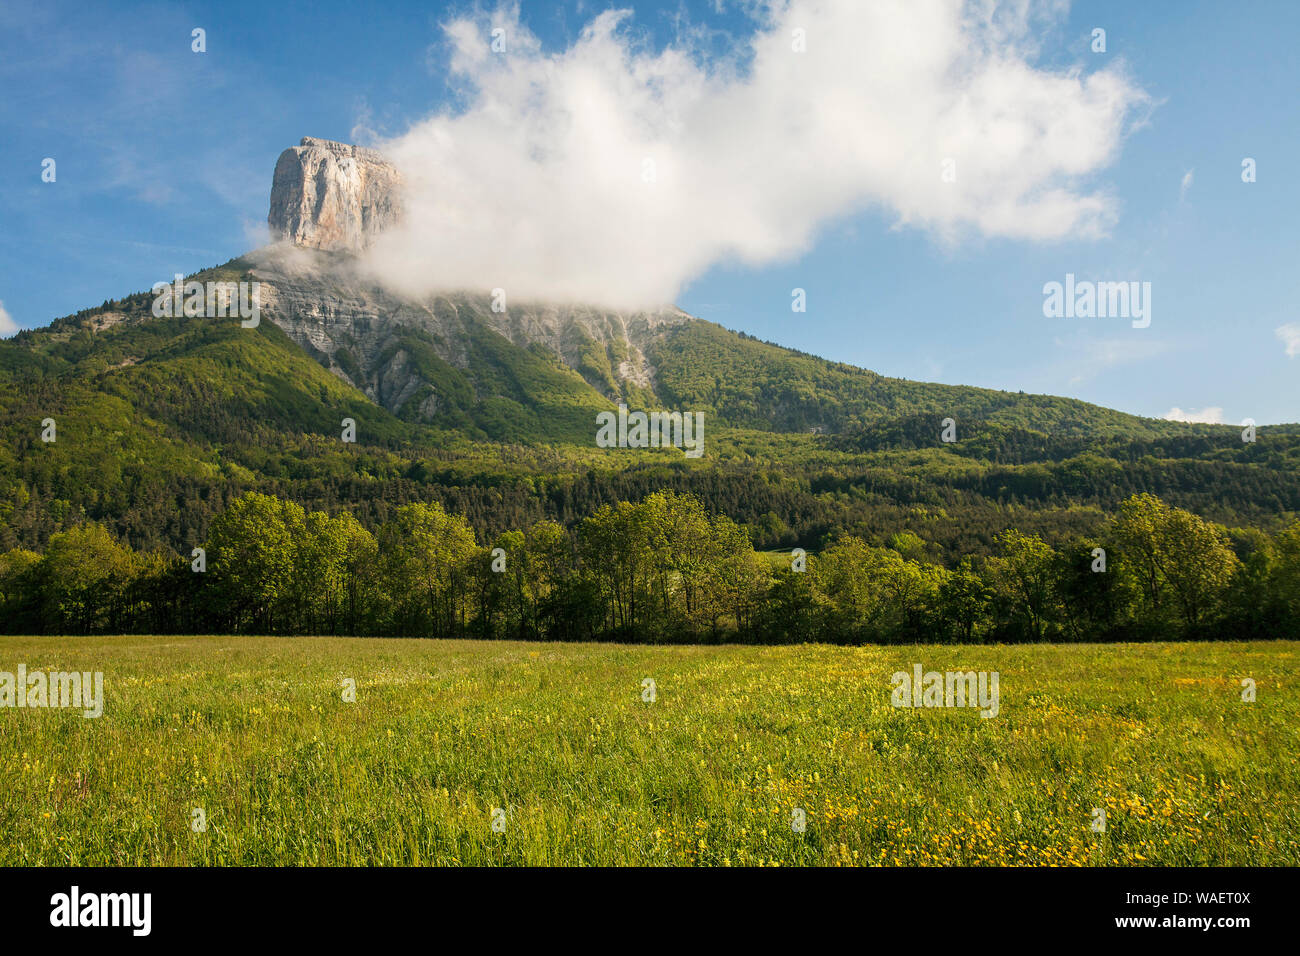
[
  {"x": 442, "y": 361},
  {"x": 454, "y": 361},
  {"x": 490, "y": 408}
]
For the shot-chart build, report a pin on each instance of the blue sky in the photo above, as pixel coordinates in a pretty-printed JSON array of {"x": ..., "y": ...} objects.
[{"x": 164, "y": 161}]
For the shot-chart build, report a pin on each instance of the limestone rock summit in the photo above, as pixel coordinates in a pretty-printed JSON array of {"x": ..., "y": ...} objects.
[{"x": 333, "y": 196}]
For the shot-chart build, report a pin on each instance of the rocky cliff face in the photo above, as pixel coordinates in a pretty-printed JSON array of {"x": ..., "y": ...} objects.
[
  {"x": 329, "y": 200},
  {"x": 333, "y": 196}
]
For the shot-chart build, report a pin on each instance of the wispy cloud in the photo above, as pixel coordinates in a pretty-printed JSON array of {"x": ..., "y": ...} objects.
[
  {"x": 1290, "y": 336},
  {"x": 1089, "y": 357},
  {"x": 1188, "y": 177},
  {"x": 1210, "y": 415},
  {"x": 115, "y": 98}
]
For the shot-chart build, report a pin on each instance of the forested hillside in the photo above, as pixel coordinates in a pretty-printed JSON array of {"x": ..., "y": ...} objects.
[
  {"x": 754, "y": 384},
  {"x": 161, "y": 423}
]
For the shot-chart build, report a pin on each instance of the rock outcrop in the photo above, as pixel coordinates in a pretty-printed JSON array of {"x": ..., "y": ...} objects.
[
  {"x": 372, "y": 339},
  {"x": 333, "y": 196}
]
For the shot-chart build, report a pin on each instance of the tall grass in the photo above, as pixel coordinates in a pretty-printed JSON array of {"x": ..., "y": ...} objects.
[{"x": 254, "y": 731}]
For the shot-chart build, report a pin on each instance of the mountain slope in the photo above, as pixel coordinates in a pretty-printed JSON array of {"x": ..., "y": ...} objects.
[
  {"x": 755, "y": 384},
  {"x": 161, "y": 420},
  {"x": 457, "y": 362}
]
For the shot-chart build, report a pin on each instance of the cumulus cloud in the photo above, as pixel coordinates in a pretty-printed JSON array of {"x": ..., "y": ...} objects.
[
  {"x": 1212, "y": 415},
  {"x": 614, "y": 174},
  {"x": 8, "y": 326},
  {"x": 1290, "y": 336}
]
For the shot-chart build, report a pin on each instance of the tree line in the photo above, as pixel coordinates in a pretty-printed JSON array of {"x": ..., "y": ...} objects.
[{"x": 660, "y": 569}]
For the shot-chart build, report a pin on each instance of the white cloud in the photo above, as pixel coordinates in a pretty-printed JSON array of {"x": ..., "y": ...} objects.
[
  {"x": 1212, "y": 415},
  {"x": 1290, "y": 336},
  {"x": 8, "y": 326},
  {"x": 538, "y": 185},
  {"x": 1187, "y": 184}
]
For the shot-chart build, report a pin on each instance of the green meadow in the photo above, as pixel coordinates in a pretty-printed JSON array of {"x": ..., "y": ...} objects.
[{"x": 487, "y": 753}]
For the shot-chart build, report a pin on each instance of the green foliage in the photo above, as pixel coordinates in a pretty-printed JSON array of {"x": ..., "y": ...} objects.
[
  {"x": 662, "y": 569},
  {"x": 83, "y": 576},
  {"x": 1023, "y": 581},
  {"x": 426, "y": 563},
  {"x": 1184, "y": 564}
]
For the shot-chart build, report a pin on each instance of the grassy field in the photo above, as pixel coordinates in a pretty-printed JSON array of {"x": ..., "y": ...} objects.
[{"x": 557, "y": 738}]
